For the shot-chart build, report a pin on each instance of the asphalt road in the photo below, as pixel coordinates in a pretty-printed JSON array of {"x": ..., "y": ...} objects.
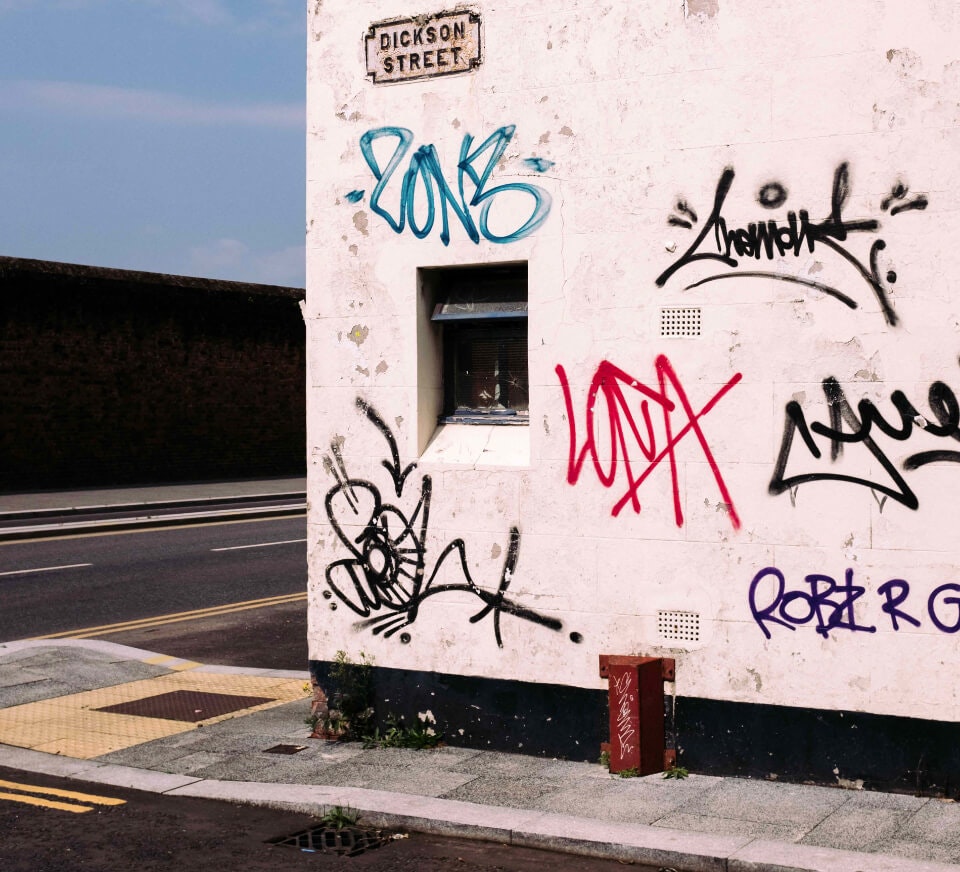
[
  {"x": 143, "y": 832},
  {"x": 80, "y": 583}
]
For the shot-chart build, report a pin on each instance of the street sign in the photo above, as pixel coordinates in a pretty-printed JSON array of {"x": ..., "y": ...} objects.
[{"x": 424, "y": 46}]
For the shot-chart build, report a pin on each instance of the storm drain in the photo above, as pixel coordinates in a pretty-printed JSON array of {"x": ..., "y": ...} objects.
[
  {"x": 344, "y": 841},
  {"x": 186, "y": 705}
]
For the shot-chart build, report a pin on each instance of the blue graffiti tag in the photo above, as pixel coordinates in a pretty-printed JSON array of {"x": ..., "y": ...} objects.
[
  {"x": 833, "y": 604},
  {"x": 538, "y": 164},
  {"x": 425, "y": 168}
]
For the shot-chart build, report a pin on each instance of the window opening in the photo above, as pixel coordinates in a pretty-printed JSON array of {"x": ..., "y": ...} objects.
[{"x": 482, "y": 315}]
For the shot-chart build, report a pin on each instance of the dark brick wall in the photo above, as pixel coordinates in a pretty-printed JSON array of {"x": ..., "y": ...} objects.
[{"x": 114, "y": 377}]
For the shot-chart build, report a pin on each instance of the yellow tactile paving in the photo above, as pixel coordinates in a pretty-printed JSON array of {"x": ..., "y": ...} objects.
[{"x": 69, "y": 725}]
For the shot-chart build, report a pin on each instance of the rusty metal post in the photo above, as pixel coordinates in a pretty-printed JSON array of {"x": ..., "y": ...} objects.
[{"x": 637, "y": 740}]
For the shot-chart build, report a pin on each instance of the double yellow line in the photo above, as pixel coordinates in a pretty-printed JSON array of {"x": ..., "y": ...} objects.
[
  {"x": 24, "y": 791},
  {"x": 176, "y": 617}
]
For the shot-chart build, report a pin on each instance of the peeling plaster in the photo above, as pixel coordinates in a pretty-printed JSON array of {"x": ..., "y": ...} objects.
[
  {"x": 706, "y": 8},
  {"x": 358, "y": 334},
  {"x": 361, "y": 223}
]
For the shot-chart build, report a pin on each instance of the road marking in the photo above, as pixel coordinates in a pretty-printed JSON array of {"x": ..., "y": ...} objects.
[
  {"x": 46, "y": 569},
  {"x": 45, "y": 803},
  {"x": 27, "y": 789},
  {"x": 259, "y": 545},
  {"x": 176, "y": 617},
  {"x": 158, "y": 529}
]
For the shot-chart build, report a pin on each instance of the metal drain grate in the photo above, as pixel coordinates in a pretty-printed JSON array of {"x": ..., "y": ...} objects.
[
  {"x": 345, "y": 841},
  {"x": 680, "y": 323},
  {"x": 679, "y": 626},
  {"x": 186, "y": 705}
]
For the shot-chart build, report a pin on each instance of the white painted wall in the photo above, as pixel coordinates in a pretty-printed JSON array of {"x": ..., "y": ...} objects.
[{"x": 639, "y": 105}]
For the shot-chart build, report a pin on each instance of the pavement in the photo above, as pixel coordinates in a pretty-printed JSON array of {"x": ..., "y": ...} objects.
[
  {"x": 99, "y": 712},
  {"x": 38, "y": 514}
]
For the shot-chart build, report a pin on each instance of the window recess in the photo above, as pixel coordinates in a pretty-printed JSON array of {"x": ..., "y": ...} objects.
[{"x": 481, "y": 314}]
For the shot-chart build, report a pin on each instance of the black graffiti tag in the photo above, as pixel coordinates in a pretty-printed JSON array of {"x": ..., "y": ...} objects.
[
  {"x": 861, "y": 424},
  {"x": 769, "y": 239},
  {"x": 386, "y": 574}
]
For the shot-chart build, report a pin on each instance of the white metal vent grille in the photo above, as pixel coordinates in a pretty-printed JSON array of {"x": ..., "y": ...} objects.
[
  {"x": 680, "y": 323},
  {"x": 679, "y": 626}
]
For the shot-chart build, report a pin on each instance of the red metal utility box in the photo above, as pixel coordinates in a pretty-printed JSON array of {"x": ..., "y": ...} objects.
[{"x": 637, "y": 737}]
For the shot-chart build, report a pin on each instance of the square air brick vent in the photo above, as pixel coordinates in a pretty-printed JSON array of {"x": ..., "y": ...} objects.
[
  {"x": 679, "y": 626},
  {"x": 186, "y": 705},
  {"x": 680, "y": 323}
]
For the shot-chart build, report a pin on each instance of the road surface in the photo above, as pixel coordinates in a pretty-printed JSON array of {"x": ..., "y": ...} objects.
[{"x": 229, "y": 593}]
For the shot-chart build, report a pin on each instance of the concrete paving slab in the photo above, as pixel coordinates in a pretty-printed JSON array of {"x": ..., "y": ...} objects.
[
  {"x": 701, "y": 823},
  {"x": 266, "y": 769},
  {"x": 893, "y": 801},
  {"x": 773, "y": 802},
  {"x": 288, "y": 719},
  {"x": 553, "y": 768},
  {"x": 191, "y": 764},
  {"x": 495, "y": 762},
  {"x": 449, "y": 755},
  {"x": 161, "y": 754},
  {"x": 50, "y": 660},
  {"x": 17, "y": 652},
  {"x": 298, "y": 674},
  {"x": 766, "y": 856},
  {"x": 37, "y": 691},
  {"x": 856, "y": 828},
  {"x": 87, "y": 675},
  {"x": 616, "y": 800},
  {"x": 392, "y": 758},
  {"x": 911, "y": 849},
  {"x": 420, "y": 782},
  {"x": 936, "y": 821},
  {"x": 12, "y": 675},
  {"x": 506, "y": 791}
]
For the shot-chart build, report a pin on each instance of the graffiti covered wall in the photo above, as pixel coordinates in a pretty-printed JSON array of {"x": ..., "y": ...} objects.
[{"x": 743, "y": 342}]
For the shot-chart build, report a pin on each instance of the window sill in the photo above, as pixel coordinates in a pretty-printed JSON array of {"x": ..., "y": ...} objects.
[{"x": 473, "y": 445}]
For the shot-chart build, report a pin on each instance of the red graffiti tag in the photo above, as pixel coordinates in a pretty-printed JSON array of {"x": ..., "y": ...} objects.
[{"x": 610, "y": 380}]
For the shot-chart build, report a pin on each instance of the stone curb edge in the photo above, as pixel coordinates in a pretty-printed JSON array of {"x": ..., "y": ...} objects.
[{"x": 657, "y": 846}]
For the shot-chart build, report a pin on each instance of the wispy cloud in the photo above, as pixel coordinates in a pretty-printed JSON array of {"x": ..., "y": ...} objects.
[
  {"x": 232, "y": 259},
  {"x": 239, "y": 14},
  {"x": 108, "y": 102}
]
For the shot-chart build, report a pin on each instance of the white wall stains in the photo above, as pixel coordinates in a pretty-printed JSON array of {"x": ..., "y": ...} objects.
[
  {"x": 788, "y": 474},
  {"x": 358, "y": 334}
]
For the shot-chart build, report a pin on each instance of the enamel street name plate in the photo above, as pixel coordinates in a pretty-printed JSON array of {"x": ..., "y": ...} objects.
[{"x": 405, "y": 49}]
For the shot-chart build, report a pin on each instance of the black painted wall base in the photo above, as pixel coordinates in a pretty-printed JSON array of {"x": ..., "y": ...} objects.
[
  {"x": 801, "y": 744},
  {"x": 712, "y": 737}
]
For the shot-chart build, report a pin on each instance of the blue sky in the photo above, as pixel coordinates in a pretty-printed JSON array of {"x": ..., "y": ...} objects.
[{"x": 159, "y": 135}]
